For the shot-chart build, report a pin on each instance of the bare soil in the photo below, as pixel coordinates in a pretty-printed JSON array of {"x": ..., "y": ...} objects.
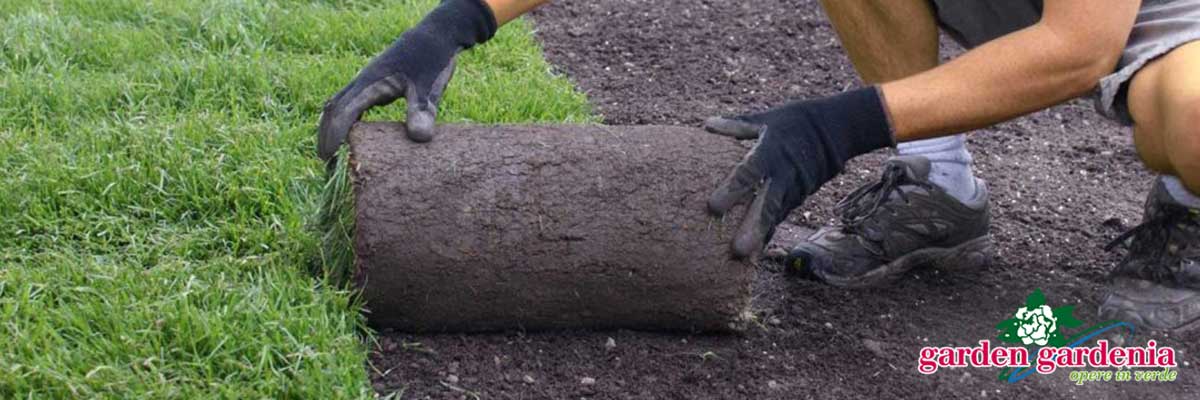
[{"x": 1064, "y": 182}]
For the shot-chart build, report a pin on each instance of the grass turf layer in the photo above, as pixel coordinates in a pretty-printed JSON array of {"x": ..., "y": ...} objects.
[
  {"x": 159, "y": 181},
  {"x": 335, "y": 224}
]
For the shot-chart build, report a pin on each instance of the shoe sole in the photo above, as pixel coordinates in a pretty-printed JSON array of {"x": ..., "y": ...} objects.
[
  {"x": 1132, "y": 317},
  {"x": 973, "y": 254},
  {"x": 1132, "y": 310}
]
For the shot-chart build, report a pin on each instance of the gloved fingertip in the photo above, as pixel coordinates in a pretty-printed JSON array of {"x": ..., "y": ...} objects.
[
  {"x": 746, "y": 245},
  {"x": 713, "y": 124},
  {"x": 776, "y": 253},
  {"x": 725, "y": 198},
  {"x": 421, "y": 126},
  {"x": 332, "y": 130},
  {"x": 717, "y": 205},
  {"x": 732, "y": 127},
  {"x": 749, "y": 239}
]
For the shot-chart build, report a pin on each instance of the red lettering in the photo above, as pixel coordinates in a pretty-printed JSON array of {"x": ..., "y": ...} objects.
[
  {"x": 1018, "y": 357},
  {"x": 979, "y": 355},
  {"x": 1045, "y": 363},
  {"x": 1117, "y": 357},
  {"x": 1099, "y": 357},
  {"x": 999, "y": 357},
  {"x": 1137, "y": 356},
  {"x": 1166, "y": 357},
  {"x": 946, "y": 356},
  {"x": 962, "y": 354},
  {"x": 1079, "y": 356},
  {"x": 926, "y": 365}
]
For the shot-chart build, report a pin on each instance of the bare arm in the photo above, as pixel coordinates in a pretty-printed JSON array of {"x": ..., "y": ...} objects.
[
  {"x": 508, "y": 10},
  {"x": 1061, "y": 57}
]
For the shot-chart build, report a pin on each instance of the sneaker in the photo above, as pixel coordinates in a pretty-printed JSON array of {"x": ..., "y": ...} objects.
[
  {"x": 901, "y": 222},
  {"x": 1157, "y": 285}
]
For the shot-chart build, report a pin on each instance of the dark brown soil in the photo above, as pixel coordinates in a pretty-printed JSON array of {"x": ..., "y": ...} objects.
[
  {"x": 1064, "y": 182},
  {"x": 546, "y": 227}
]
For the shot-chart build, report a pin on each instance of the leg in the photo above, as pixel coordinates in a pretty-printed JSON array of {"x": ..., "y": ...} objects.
[
  {"x": 1164, "y": 99},
  {"x": 893, "y": 39},
  {"x": 886, "y": 39},
  {"x": 1157, "y": 285}
]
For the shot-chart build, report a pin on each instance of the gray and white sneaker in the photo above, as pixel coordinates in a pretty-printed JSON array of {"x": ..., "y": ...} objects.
[
  {"x": 889, "y": 227},
  {"x": 1157, "y": 285}
]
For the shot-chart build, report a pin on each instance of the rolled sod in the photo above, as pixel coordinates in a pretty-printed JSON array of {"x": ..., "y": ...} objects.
[{"x": 543, "y": 227}]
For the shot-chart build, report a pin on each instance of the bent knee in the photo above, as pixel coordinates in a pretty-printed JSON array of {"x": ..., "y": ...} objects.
[
  {"x": 1164, "y": 99},
  {"x": 1188, "y": 109},
  {"x": 1183, "y": 131}
]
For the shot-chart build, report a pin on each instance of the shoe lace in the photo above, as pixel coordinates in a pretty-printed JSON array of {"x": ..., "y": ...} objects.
[
  {"x": 1153, "y": 238},
  {"x": 862, "y": 204}
]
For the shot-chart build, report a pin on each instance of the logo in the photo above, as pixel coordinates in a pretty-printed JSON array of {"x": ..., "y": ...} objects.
[{"x": 1039, "y": 341}]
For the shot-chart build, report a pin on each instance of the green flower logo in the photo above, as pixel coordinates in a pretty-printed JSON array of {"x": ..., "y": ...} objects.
[{"x": 1037, "y": 324}]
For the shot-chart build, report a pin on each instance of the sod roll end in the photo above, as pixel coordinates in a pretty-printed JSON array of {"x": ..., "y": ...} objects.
[{"x": 544, "y": 227}]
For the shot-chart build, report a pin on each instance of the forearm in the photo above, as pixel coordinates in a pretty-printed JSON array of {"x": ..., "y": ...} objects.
[
  {"x": 508, "y": 10},
  {"x": 1025, "y": 71}
]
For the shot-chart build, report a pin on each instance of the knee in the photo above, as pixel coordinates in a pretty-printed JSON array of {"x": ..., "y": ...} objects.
[
  {"x": 1183, "y": 136},
  {"x": 1189, "y": 107}
]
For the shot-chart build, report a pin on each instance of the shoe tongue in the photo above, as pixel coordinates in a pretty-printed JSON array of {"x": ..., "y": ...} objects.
[
  {"x": 915, "y": 167},
  {"x": 1160, "y": 196},
  {"x": 1160, "y": 200}
]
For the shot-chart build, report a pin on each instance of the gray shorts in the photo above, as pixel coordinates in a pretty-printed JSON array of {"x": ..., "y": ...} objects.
[{"x": 1162, "y": 25}]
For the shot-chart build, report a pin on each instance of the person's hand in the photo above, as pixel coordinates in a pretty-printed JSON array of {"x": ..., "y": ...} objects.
[
  {"x": 801, "y": 146},
  {"x": 416, "y": 67}
]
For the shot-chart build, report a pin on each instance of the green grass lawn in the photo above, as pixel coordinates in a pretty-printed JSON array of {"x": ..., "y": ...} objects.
[{"x": 158, "y": 180}]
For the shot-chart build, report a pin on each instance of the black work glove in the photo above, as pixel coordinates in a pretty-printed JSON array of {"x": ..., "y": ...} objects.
[
  {"x": 801, "y": 146},
  {"x": 416, "y": 67}
]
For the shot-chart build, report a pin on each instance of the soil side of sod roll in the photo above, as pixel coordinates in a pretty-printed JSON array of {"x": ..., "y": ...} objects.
[{"x": 545, "y": 227}]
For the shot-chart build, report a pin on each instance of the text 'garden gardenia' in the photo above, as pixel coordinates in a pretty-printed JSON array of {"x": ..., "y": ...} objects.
[{"x": 1049, "y": 359}]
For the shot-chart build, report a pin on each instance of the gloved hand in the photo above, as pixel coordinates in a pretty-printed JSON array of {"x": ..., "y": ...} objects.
[
  {"x": 416, "y": 67},
  {"x": 801, "y": 146}
]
